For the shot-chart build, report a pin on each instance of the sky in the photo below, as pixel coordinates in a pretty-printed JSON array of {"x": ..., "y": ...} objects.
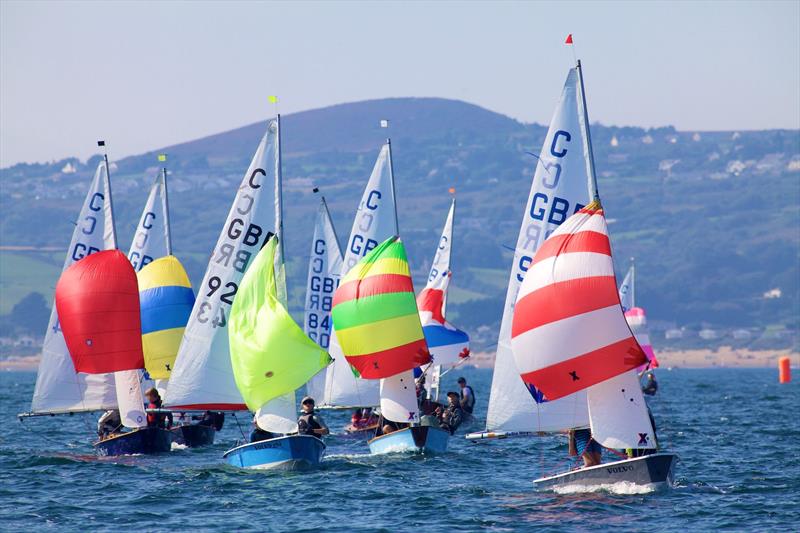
[{"x": 144, "y": 75}]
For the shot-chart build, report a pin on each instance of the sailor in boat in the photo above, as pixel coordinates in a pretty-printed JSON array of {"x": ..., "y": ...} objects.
[
  {"x": 650, "y": 386},
  {"x": 258, "y": 434},
  {"x": 159, "y": 420},
  {"x": 467, "y": 399},
  {"x": 214, "y": 419},
  {"x": 581, "y": 443},
  {"x": 452, "y": 416},
  {"x": 110, "y": 423},
  {"x": 309, "y": 422}
]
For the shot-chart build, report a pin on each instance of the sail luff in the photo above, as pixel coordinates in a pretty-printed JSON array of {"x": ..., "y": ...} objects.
[
  {"x": 165, "y": 209},
  {"x": 394, "y": 194},
  {"x": 111, "y": 225},
  {"x": 587, "y": 135}
]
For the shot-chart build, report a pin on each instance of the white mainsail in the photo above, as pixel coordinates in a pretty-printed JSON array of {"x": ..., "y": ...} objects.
[
  {"x": 151, "y": 237},
  {"x": 626, "y": 290},
  {"x": 129, "y": 398},
  {"x": 561, "y": 185},
  {"x": 376, "y": 221},
  {"x": 324, "y": 272},
  {"x": 58, "y": 388},
  {"x": 202, "y": 377}
]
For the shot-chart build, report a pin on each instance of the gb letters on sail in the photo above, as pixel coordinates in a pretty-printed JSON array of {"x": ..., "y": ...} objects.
[
  {"x": 324, "y": 269},
  {"x": 375, "y": 221},
  {"x": 202, "y": 377},
  {"x": 568, "y": 331},
  {"x": 58, "y": 388},
  {"x": 150, "y": 240},
  {"x": 561, "y": 185}
]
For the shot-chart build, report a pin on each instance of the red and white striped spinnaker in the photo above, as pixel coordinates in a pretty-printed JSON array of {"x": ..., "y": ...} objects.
[{"x": 568, "y": 331}]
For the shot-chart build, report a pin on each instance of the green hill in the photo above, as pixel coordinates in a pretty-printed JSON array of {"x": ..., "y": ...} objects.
[{"x": 712, "y": 217}]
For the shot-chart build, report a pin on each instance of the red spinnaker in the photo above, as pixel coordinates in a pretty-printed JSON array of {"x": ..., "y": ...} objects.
[{"x": 97, "y": 300}]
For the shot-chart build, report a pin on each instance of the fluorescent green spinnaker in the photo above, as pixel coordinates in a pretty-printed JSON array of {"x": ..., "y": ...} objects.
[{"x": 270, "y": 354}]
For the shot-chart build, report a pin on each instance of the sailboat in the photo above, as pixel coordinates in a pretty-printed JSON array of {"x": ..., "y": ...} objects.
[
  {"x": 375, "y": 221},
  {"x": 449, "y": 346},
  {"x": 202, "y": 376},
  {"x": 569, "y": 335},
  {"x": 561, "y": 185},
  {"x": 324, "y": 270},
  {"x": 636, "y": 317},
  {"x": 272, "y": 357},
  {"x": 166, "y": 300},
  {"x": 377, "y": 323}
]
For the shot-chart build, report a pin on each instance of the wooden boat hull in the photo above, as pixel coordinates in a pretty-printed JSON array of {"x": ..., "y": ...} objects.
[
  {"x": 290, "y": 453},
  {"x": 417, "y": 439},
  {"x": 139, "y": 441},
  {"x": 194, "y": 435},
  {"x": 654, "y": 469}
]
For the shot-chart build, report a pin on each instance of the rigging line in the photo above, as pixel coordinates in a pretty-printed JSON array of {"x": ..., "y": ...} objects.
[{"x": 233, "y": 413}]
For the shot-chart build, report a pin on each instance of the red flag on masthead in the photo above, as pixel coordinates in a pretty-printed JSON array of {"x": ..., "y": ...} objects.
[{"x": 569, "y": 39}]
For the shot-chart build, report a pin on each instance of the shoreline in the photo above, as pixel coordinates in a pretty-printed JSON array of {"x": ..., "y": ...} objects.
[{"x": 722, "y": 357}]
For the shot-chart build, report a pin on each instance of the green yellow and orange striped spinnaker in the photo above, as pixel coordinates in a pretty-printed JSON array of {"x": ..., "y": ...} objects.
[{"x": 375, "y": 315}]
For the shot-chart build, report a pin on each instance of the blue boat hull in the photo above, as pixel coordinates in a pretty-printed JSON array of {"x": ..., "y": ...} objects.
[
  {"x": 418, "y": 439},
  {"x": 139, "y": 441},
  {"x": 194, "y": 435},
  {"x": 290, "y": 453}
]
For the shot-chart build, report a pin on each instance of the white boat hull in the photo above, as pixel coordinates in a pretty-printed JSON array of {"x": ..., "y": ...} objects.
[{"x": 652, "y": 470}]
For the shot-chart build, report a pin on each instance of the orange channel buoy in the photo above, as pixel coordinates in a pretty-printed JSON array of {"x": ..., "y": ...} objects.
[{"x": 784, "y": 370}]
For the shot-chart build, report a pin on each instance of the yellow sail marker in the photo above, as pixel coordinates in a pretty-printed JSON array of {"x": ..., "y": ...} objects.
[
  {"x": 270, "y": 354},
  {"x": 273, "y": 99},
  {"x": 162, "y": 157}
]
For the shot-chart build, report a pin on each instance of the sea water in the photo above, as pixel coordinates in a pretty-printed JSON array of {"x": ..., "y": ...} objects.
[{"x": 735, "y": 430}]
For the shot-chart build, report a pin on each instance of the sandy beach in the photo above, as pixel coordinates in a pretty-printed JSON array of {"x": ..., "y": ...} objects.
[{"x": 725, "y": 356}]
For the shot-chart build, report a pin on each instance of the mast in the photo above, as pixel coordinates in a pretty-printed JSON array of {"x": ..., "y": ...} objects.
[
  {"x": 590, "y": 158},
  {"x": 333, "y": 228},
  {"x": 394, "y": 195},
  {"x": 165, "y": 204},
  {"x": 279, "y": 187},
  {"x": 107, "y": 183},
  {"x": 633, "y": 283}
]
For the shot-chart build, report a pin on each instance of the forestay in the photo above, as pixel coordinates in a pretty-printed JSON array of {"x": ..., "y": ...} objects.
[
  {"x": 561, "y": 185},
  {"x": 324, "y": 270},
  {"x": 375, "y": 221},
  {"x": 203, "y": 377},
  {"x": 58, "y": 388}
]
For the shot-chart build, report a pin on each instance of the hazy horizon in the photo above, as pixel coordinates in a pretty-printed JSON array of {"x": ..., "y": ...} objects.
[{"x": 147, "y": 75}]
